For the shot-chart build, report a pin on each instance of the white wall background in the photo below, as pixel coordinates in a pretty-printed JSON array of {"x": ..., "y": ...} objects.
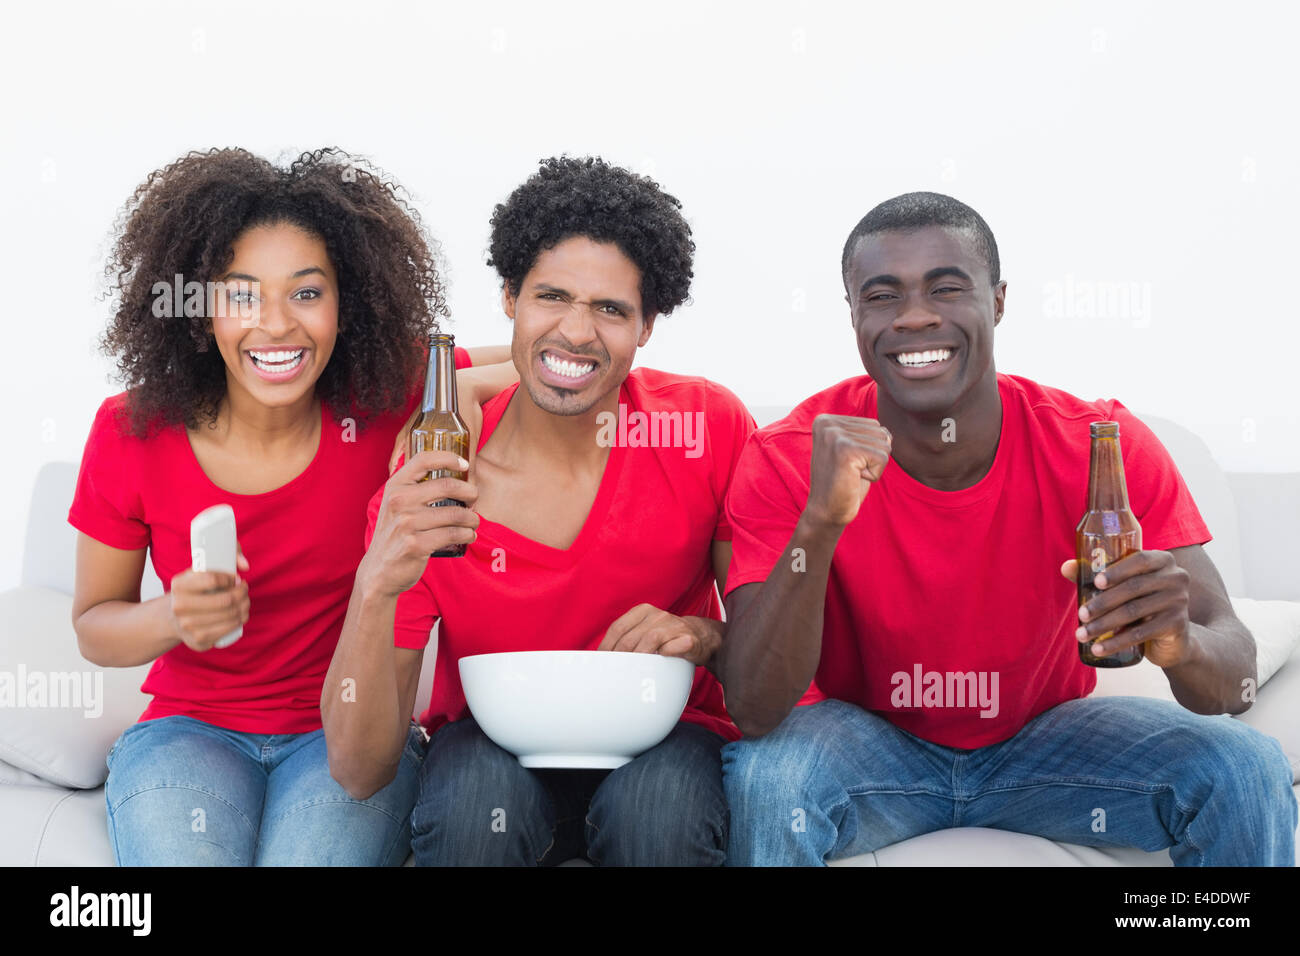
[{"x": 1148, "y": 146}]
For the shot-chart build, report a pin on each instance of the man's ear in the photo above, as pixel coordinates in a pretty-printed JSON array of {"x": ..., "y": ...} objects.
[
  {"x": 647, "y": 326},
  {"x": 507, "y": 301},
  {"x": 999, "y": 300}
]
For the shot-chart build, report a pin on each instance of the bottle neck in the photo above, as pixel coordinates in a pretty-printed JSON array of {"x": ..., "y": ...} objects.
[
  {"x": 440, "y": 381},
  {"x": 1106, "y": 488}
]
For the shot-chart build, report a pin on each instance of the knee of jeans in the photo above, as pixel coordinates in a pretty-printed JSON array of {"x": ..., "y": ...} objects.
[
  {"x": 766, "y": 769},
  {"x": 658, "y": 797},
  {"x": 1254, "y": 762},
  {"x": 1230, "y": 755},
  {"x": 462, "y": 773}
]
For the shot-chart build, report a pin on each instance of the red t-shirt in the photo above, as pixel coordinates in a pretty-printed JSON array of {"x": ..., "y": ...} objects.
[
  {"x": 303, "y": 542},
  {"x": 647, "y": 539},
  {"x": 926, "y": 585}
]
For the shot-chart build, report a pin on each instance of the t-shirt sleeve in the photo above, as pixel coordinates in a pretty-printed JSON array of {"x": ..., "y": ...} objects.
[
  {"x": 462, "y": 359},
  {"x": 762, "y": 509},
  {"x": 417, "y": 610},
  {"x": 1159, "y": 497},
  {"x": 107, "y": 504},
  {"x": 730, "y": 426}
]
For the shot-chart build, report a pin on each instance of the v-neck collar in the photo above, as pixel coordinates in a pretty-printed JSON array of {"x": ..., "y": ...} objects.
[{"x": 543, "y": 554}]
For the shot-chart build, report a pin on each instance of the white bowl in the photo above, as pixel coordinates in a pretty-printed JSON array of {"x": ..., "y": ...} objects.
[{"x": 588, "y": 709}]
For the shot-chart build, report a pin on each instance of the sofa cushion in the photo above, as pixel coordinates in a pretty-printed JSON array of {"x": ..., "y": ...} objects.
[
  {"x": 50, "y": 826},
  {"x": 1276, "y": 629},
  {"x": 15, "y": 776},
  {"x": 59, "y": 714},
  {"x": 1212, "y": 494},
  {"x": 979, "y": 846},
  {"x": 1275, "y": 626},
  {"x": 1275, "y": 712}
]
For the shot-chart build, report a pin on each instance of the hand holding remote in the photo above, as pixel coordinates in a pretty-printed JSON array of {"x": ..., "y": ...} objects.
[{"x": 209, "y": 602}]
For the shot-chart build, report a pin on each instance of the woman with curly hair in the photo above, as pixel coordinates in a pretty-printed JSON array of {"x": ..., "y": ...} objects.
[{"x": 269, "y": 328}]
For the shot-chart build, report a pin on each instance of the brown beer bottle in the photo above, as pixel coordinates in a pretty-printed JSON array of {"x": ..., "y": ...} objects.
[
  {"x": 1107, "y": 532},
  {"x": 440, "y": 427}
]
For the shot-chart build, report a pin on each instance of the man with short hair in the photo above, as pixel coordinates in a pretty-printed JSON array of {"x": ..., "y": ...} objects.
[
  {"x": 902, "y": 650},
  {"x": 597, "y": 523}
]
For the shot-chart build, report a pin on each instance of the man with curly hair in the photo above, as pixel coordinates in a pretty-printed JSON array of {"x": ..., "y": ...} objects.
[
  {"x": 282, "y": 401},
  {"x": 583, "y": 539}
]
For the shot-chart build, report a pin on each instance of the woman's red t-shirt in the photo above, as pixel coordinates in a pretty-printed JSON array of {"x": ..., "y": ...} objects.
[{"x": 303, "y": 542}]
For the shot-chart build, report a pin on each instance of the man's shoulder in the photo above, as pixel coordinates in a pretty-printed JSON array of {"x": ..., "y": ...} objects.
[
  {"x": 652, "y": 389},
  {"x": 853, "y": 396},
  {"x": 1048, "y": 402},
  {"x": 1054, "y": 409}
]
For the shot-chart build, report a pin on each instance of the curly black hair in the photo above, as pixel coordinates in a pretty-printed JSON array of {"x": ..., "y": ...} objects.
[
  {"x": 570, "y": 197},
  {"x": 185, "y": 218}
]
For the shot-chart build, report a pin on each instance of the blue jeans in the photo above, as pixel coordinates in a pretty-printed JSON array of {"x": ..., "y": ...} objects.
[
  {"x": 479, "y": 807},
  {"x": 834, "y": 780},
  {"x": 182, "y": 792}
]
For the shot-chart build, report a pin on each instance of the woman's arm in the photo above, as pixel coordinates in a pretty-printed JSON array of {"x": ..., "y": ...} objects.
[{"x": 116, "y": 629}]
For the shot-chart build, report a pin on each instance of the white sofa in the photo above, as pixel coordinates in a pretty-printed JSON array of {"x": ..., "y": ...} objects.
[{"x": 52, "y": 758}]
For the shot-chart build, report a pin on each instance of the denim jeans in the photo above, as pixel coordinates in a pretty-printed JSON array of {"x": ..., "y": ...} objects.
[
  {"x": 834, "y": 780},
  {"x": 478, "y": 807},
  {"x": 182, "y": 792}
]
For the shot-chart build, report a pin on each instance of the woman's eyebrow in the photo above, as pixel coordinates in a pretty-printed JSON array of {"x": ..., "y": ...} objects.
[{"x": 297, "y": 275}]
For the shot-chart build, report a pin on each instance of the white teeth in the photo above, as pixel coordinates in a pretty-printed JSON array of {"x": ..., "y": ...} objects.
[
  {"x": 273, "y": 358},
  {"x": 918, "y": 359},
  {"x": 281, "y": 361},
  {"x": 567, "y": 369}
]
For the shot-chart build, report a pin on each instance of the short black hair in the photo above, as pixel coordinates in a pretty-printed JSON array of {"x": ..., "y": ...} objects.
[
  {"x": 917, "y": 211},
  {"x": 570, "y": 197}
]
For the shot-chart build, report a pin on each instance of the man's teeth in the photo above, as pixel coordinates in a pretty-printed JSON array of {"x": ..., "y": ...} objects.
[
  {"x": 567, "y": 369},
  {"x": 277, "y": 361},
  {"x": 917, "y": 359}
]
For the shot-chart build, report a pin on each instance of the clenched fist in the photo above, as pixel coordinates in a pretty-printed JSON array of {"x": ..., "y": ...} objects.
[{"x": 848, "y": 454}]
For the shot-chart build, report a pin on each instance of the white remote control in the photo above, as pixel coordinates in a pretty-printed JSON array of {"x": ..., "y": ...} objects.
[{"x": 212, "y": 548}]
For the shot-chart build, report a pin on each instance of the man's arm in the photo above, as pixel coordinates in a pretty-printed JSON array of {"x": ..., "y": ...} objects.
[
  {"x": 774, "y": 632},
  {"x": 368, "y": 694},
  {"x": 488, "y": 355},
  {"x": 774, "y": 637},
  {"x": 369, "y": 691},
  {"x": 1176, "y": 603}
]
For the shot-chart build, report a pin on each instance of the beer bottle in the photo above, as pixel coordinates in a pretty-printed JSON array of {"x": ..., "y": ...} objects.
[
  {"x": 440, "y": 427},
  {"x": 1107, "y": 532}
]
